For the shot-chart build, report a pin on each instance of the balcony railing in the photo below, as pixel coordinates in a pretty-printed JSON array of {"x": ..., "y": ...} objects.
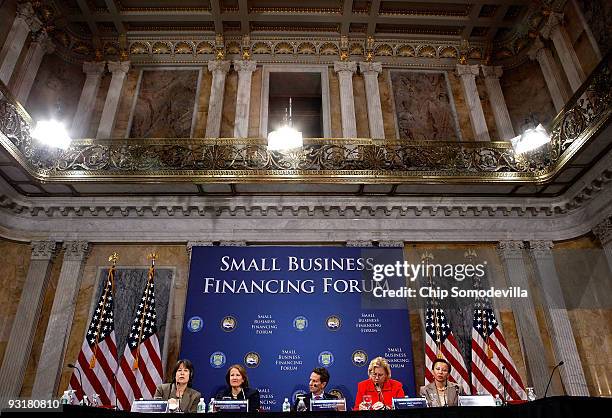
[{"x": 320, "y": 160}]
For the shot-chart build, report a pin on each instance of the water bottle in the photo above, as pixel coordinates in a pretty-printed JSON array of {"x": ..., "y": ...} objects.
[
  {"x": 211, "y": 405},
  {"x": 95, "y": 400},
  {"x": 286, "y": 406},
  {"x": 201, "y": 406},
  {"x": 301, "y": 406},
  {"x": 498, "y": 401},
  {"x": 84, "y": 401},
  {"x": 72, "y": 397},
  {"x": 531, "y": 394},
  {"x": 65, "y": 399}
]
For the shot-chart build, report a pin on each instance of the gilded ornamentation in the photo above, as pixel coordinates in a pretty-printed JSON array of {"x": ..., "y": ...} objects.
[
  {"x": 261, "y": 48},
  {"x": 405, "y": 51},
  {"x": 204, "y": 48},
  {"x": 448, "y": 52},
  {"x": 320, "y": 160},
  {"x": 283, "y": 48},
  {"x": 161, "y": 48},
  {"x": 139, "y": 48},
  {"x": 383, "y": 50},
  {"x": 426, "y": 51},
  {"x": 233, "y": 48},
  {"x": 307, "y": 48},
  {"x": 328, "y": 48},
  {"x": 183, "y": 48}
]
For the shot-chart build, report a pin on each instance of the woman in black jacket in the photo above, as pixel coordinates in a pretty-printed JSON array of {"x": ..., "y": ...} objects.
[{"x": 238, "y": 388}]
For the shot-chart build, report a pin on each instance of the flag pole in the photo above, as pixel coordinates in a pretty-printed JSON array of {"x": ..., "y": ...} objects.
[
  {"x": 152, "y": 256},
  {"x": 110, "y": 277}
]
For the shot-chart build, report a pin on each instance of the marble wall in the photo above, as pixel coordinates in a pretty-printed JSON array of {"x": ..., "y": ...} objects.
[
  {"x": 575, "y": 29},
  {"x": 229, "y": 105},
  {"x": 423, "y": 106},
  {"x": 598, "y": 14},
  {"x": 255, "y": 105},
  {"x": 7, "y": 14},
  {"x": 56, "y": 89},
  {"x": 386, "y": 104},
  {"x": 463, "y": 114},
  {"x": 13, "y": 272},
  {"x": 334, "y": 104},
  {"x": 526, "y": 93},
  {"x": 361, "y": 107},
  {"x": 165, "y": 104},
  {"x": 124, "y": 110},
  {"x": 203, "y": 101}
]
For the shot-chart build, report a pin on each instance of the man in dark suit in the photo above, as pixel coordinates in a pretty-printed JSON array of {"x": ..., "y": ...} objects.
[{"x": 319, "y": 377}]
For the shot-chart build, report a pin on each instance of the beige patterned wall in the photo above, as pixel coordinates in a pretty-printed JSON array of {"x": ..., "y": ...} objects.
[
  {"x": 586, "y": 54},
  {"x": 463, "y": 114},
  {"x": 229, "y": 105},
  {"x": 526, "y": 93},
  {"x": 13, "y": 272},
  {"x": 204, "y": 100},
  {"x": 174, "y": 256},
  {"x": 56, "y": 79},
  {"x": 255, "y": 104},
  {"x": 124, "y": 110}
]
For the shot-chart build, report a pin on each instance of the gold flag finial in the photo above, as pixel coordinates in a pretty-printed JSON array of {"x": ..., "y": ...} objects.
[
  {"x": 427, "y": 256},
  {"x": 113, "y": 258},
  {"x": 152, "y": 256},
  {"x": 470, "y": 253}
]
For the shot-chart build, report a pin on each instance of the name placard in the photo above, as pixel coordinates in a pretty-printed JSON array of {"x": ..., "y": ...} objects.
[
  {"x": 231, "y": 406},
  {"x": 476, "y": 400},
  {"x": 409, "y": 403},
  {"x": 152, "y": 406},
  {"x": 328, "y": 405}
]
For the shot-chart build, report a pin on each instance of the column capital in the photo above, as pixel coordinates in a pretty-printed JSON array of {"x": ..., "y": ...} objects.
[
  {"x": 537, "y": 49},
  {"x": 540, "y": 248},
  {"x": 511, "y": 248},
  {"x": 118, "y": 66},
  {"x": 25, "y": 12},
  {"x": 490, "y": 71},
  {"x": 370, "y": 67},
  {"x": 391, "y": 244},
  {"x": 246, "y": 66},
  {"x": 553, "y": 23},
  {"x": 218, "y": 66},
  {"x": 467, "y": 70},
  {"x": 233, "y": 244},
  {"x": 43, "y": 39},
  {"x": 192, "y": 244},
  {"x": 94, "y": 68},
  {"x": 603, "y": 231},
  {"x": 75, "y": 250},
  {"x": 42, "y": 250},
  {"x": 359, "y": 243},
  {"x": 345, "y": 67}
]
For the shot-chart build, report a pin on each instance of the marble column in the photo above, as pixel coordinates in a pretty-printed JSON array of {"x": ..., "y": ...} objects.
[
  {"x": 94, "y": 71},
  {"x": 370, "y": 71},
  {"x": 24, "y": 79},
  {"x": 219, "y": 70},
  {"x": 53, "y": 350},
  {"x": 245, "y": 70},
  {"x": 560, "y": 328},
  {"x": 25, "y": 21},
  {"x": 118, "y": 70},
  {"x": 603, "y": 230},
  {"x": 511, "y": 254},
  {"x": 553, "y": 29},
  {"x": 19, "y": 346},
  {"x": 498, "y": 103},
  {"x": 552, "y": 76},
  {"x": 345, "y": 70},
  {"x": 468, "y": 75}
]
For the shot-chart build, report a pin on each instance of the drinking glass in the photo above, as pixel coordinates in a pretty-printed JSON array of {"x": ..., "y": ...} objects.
[{"x": 367, "y": 401}]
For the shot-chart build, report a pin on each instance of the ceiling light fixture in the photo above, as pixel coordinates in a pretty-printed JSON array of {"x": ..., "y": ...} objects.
[
  {"x": 286, "y": 137},
  {"x": 52, "y": 133}
]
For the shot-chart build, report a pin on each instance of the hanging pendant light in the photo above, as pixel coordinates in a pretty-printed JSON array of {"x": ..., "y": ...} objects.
[{"x": 286, "y": 137}]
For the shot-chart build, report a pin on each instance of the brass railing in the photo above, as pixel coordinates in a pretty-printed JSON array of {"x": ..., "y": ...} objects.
[{"x": 320, "y": 160}]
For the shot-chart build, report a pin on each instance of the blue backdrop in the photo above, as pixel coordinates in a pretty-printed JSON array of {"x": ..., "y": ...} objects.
[{"x": 281, "y": 311}]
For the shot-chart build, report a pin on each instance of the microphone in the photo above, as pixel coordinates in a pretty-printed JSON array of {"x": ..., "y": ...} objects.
[
  {"x": 504, "y": 382},
  {"x": 379, "y": 390},
  {"x": 72, "y": 366},
  {"x": 551, "y": 375}
]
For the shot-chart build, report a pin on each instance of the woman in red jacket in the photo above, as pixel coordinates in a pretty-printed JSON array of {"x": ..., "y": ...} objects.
[{"x": 378, "y": 391}]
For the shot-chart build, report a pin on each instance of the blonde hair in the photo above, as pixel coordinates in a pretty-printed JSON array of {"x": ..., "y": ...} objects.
[{"x": 380, "y": 362}]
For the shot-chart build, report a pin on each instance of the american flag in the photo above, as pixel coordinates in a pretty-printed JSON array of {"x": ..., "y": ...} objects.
[
  {"x": 140, "y": 368},
  {"x": 98, "y": 356},
  {"x": 441, "y": 343},
  {"x": 493, "y": 370}
]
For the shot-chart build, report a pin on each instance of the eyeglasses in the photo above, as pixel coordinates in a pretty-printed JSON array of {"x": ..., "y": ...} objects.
[{"x": 379, "y": 375}]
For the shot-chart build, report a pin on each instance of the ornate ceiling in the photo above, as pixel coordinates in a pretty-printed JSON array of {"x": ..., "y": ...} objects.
[{"x": 84, "y": 26}]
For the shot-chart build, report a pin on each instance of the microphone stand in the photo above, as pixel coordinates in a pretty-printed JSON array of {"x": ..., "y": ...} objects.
[
  {"x": 550, "y": 378},
  {"x": 504, "y": 383},
  {"x": 72, "y": 366}
]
